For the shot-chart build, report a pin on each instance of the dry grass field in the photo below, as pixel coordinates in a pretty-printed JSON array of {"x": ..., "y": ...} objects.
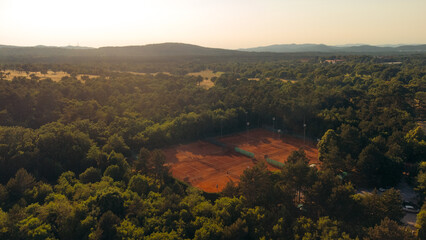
[
  {"x": 143, "y": 74},
  {"x": 283, "y": 80},
  {"x": 55, "y": 76},
  {"x": 207, "y": 76}
]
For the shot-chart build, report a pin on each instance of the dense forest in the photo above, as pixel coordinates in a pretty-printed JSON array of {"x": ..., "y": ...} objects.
[{"x": 82, "y": 159}]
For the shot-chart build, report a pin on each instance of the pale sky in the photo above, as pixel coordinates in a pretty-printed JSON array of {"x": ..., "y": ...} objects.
[{"x": 214, "y": 23}]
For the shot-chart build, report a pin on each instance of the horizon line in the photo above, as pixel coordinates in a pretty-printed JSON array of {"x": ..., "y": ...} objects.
[{"x": 277, "y": 44}]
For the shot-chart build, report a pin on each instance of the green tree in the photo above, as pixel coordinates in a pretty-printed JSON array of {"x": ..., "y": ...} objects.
[
  {"x": 60, "y": 144},
  {"x": 324, "y": 228},
  {"x": 421, "y": 223},
  {"x": 164, "y": 235},
  {"x": 329, "y": 153},
  {"x": 119, "y": 160},
  {"x": 377, "y": 207},
  {"x": 116, "y": 143},
  {"x": 107, "y": 227},
  {"x": 33, "y": 228},
  {"x": 421, "y": 182},
  {"x": 256, "y": 220},
  {"x": 17, "y": 150},
  {"x": 389, "y": 230},
  {"x": 231, "y": 189},
  {"x": 4, "y": 225},
  {"x": 228, "y": 210},
  {"x": 61, "y": 215},
  {"x": 141, "y": 163},
  {"x": 416, "y": 145},
  {"x": 114, "y": 172},
  {"x": 91, "y": 175},
  {"x": 142, "y": 184},
  {"x": 297, "y": 175},
  {"x": 351, "y": 140},
  {"x": 40, "y": 191},
  {"x": 238, "y": 230},
  {"x": 66, "y": 183},
  {"x": 128, "y": 230},
  {"x": 209, "y": 230},
  {"x": 378, "y": 169},
  {"x": 156, "y": 164},
  {"x": 298, "y": 155},
  {"x": 4, "y": 195},
  {"x": 255, "y": 185},
  {"x": 22, "y": 182},
  {"x": 95, "y": 157},
  {"x": 111, "y": 200}
]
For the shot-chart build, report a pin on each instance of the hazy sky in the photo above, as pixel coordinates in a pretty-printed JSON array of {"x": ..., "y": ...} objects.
[{"x": 213, "y": 23}]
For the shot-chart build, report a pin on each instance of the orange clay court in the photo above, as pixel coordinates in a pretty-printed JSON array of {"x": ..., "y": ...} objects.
[{"x": 209, "y": 167}]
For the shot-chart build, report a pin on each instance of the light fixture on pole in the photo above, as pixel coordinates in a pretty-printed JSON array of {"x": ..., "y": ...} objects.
[
  {"x": 273, "y": 123},
  {"x": 304, "y": 133},
  {"x": 248, "y": 124}
]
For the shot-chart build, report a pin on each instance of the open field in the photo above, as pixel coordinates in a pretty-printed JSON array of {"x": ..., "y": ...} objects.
[
  {"x": 286, "y": 80},
  {"x": 205, "y": 165},
  {"x": 55, "y": 76},
  {"x": 207, "y": 76},
  {"x": 144, "y": 74},
  {"x": 282, "y": 79},
  {"x": 209, "y": 167},
  {"x": 262, "y": 142}
]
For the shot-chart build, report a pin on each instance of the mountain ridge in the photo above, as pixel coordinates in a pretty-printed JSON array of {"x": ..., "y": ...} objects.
[
  {"x": 178, "y": 50},
  {"x": 150, "y": 50},
  {"x": 354, "y": 48}
]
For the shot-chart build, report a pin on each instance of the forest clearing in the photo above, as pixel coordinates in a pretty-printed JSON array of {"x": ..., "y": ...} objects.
[
  {"x": 209, "y": 166},
  {"x": 276, "y": 146},
  {"x": 55, "y": 76}
]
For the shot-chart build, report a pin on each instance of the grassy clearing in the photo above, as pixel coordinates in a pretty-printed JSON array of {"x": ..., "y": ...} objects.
[
  {"x": 286, "y": 80},
  {"x": 282, "y": 79},
  {"x": 207, "y": 76},
  {"x": 55, "y": 76},
  {"x": 144, "y": 74},
  {"x": 207, "y": 83}
]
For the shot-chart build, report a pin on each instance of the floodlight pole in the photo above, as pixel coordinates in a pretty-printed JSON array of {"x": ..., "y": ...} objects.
[
  {"x": 304, "y": 131},
  {"x": 248, "y": 124},
  {"x": 273, "y": 125},
  {"x": 221, "y": 119}
]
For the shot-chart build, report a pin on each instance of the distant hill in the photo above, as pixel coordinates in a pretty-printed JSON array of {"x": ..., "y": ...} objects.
[
  {"x": 167, "y": 51},
  {"x": 292, "y": 48},
  {"x": 44, "y": 47},
  {"x": 151, "y": 50},
  {"x": 7, "y": 46},
  {"x": 164, "y": 49},
  {"x": 76, "y": 47}
]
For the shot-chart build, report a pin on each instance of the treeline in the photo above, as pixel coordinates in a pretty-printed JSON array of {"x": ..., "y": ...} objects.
[{"x": 145, "y": 203}]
